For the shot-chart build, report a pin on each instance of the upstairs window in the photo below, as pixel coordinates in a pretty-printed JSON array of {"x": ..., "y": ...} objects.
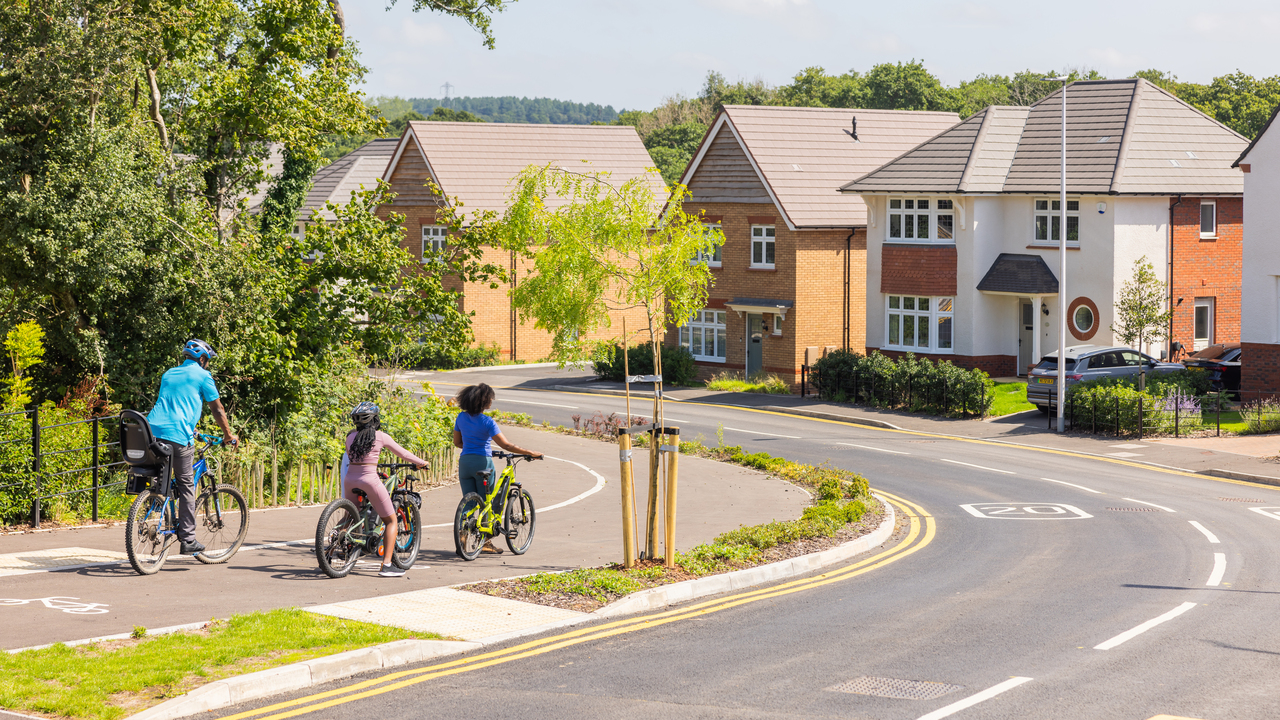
[
  {"x": 922, "y": 219},
  {"x": 1208, "y": 219},
  {"x": 704, "y": 335},
  {"x": 712, "y": 259},
  {"x": 762, "y": 237},
  {"x": 1048, "y": 229},
  {"x": 433, "y": 243}
]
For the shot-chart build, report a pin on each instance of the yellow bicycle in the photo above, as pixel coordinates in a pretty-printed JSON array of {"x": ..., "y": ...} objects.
[{"x": 508, "y": 508}]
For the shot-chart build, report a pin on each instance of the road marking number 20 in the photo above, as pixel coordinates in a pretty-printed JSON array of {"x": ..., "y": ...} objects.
[{"x": 1025, "y": 511}]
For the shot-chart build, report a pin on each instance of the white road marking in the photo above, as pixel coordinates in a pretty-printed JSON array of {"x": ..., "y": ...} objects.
[
  {"x": 757, "y": 432},
  {"x": 530, "y": 402},
  {"x": 1124, "y": 454},
  {"x": 972, "y": 700},
  {"x": 1144, "y": 502},
  {"x": 1267, "y": 511},
  {"x": 1128, "y": 446},
  {"x": 1212, "y": 538},
  {"x": 265, "y": 546},
  {"x": 1130, "y": 634},
  {"x": 594, "y": 489},
  {"x": 980, "y": 467},
  {"x": 1219, "y": 568},
  {"x": 1025, "y": 511},
  {"x": 1078, "y": 487},
  {"x": 868, "y": 447}
]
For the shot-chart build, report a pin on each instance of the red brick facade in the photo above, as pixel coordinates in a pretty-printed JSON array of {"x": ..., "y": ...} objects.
[
  {"x": 993, "y": 365},
  {"x": 1207, "y": 268},
  {"x": 1260, "y": 369},
  {"x": 809, "y": 271},
  {"x": 917, "y": 270}
]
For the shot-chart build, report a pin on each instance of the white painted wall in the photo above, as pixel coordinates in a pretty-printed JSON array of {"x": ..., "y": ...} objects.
[
  {"x": 1142, "y": 228},
  {"x": 877, "y": 212},
  {"x": 1260, "y": 291}
]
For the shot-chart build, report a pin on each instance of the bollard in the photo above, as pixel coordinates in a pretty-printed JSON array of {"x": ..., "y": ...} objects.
[
  {"x": 673, "y": 460},
  {"x": 628, "y": 499}
]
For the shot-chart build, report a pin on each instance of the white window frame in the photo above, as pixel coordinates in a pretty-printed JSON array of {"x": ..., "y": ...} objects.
[
  {"x": 711, "y": 325},
  {"x": 1052, "y": 211},
  {"x": 435, "y": 237},
  {"x": 908, "y": 214},
  {"x": 711, "y": 259},
  {"x": 934, "y": 316},
  {"x": 1092, "y": 314},
  {"x": 1209, "y": 304},
  {"x": 777, "y": 324},
  {"x": 767, "y": 241},
  {"x": 1214, "y": 205}
]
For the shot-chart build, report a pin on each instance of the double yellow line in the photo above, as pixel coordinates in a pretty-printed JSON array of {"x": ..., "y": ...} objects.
[{"x": 920, "y": 533}]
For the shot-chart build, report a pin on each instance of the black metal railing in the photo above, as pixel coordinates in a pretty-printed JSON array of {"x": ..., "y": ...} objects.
[{"x": 1176, "y": 414}]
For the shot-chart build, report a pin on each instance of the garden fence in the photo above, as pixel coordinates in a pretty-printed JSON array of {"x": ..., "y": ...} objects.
[
  {"x": 1103, "y": 413},
  {"x": 32, "y": 474}
]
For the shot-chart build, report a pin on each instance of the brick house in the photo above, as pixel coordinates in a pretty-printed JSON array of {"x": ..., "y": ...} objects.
[
  {"x": 1260, "y": 286},
  {"x": 962, "y": 251},
  {"x": 475, "y": 163},
  {"x": 337, "y": 181},
  {"x": 788, "y": 281}
]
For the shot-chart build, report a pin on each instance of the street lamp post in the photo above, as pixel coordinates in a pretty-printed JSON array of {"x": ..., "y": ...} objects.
[{"x": 1062, "y": 266}]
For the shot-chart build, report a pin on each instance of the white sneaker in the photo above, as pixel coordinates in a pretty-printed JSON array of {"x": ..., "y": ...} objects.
[{"x": 391, "y": 571}]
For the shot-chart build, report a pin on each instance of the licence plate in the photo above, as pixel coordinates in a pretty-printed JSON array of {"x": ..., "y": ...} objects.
[{"x": 1045, "y": 381}]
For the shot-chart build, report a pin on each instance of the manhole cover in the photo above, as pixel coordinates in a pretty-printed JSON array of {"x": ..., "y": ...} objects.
[
  {"x": 895, "y": 688},
  {"x": 1240, "y": 500},
  {"x": 1135, "y": 509}
]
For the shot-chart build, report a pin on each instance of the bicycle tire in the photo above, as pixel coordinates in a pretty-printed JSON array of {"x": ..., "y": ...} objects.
[
  {"x": 220, "y": 510},
  {"x": 519, "y": 521},
  {"x": 467, "y": 538},
  {"x": 408, "y": 535},
  {"x": 335, "y": 552},
  {"x": 143, "y": 543}
]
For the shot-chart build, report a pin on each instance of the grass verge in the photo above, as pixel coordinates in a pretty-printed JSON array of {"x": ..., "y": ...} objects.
[
  {"x": 760, "y": 383},
  {"x": 114, "y": 679},
  {"x": 1009, "y": 398}
]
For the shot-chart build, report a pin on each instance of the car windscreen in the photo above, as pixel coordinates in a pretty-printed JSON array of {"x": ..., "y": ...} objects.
[{"x": 1051, "y": 363}]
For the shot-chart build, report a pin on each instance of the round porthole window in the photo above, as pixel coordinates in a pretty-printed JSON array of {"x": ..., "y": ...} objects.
[{"x": 1083, "y": 319}]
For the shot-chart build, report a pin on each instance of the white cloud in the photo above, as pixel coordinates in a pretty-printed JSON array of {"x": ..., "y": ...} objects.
[
  {"x": 1207, "y": 23},
  {"x": 1112, "y": 57}
]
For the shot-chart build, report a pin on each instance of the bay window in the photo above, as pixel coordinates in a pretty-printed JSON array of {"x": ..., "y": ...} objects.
[
  {"x": 704, "y": 335},
  {"x": 919, "y": 324}
]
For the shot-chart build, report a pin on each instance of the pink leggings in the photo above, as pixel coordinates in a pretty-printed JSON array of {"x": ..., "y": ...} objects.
[{"x": 365, "y": 477}]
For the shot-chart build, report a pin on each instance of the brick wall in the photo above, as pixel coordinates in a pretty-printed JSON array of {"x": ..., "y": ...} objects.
[
  {"x": 809, "y": 270},
  {"x": 993, "y": 365},
  {"x": 917, "y": 269},
  {"x": 1260, "y": 369},
  {"x": 1207, "y": 268}
]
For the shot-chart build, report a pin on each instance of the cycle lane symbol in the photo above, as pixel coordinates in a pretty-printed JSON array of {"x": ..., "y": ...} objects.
[
  {"x": 65, "y": 604},
  {"x": 1025, "y": 511}
]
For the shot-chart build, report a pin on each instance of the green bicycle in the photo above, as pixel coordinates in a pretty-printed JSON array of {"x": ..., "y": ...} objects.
[
  {"x": 346, "y": 530},
  {"x": 508, "y": 509}
]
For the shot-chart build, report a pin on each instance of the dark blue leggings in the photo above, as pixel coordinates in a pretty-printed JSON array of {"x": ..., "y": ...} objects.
[{"x": 468, "y": 466}]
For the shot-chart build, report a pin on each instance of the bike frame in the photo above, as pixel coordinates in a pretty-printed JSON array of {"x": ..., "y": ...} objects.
[
  {"x": 486, "y": 517},
  {"x": 354, "y": 534},
  {"x": 169, "y": 509}
]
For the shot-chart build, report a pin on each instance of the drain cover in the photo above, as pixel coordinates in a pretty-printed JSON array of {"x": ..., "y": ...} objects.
[
  {"x": 1240, "y": 500},
  {"x": 895, "y": 688},
  {"x": 1130, "y": 509}
]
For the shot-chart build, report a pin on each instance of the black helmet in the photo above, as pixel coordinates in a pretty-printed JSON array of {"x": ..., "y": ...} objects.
[{"x": 364, "y": 413}]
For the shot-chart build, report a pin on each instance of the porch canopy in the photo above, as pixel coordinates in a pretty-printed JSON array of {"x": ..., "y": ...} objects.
[
  {"x": 1021, "y": 275},
  {"x": 760, "y": 305}
]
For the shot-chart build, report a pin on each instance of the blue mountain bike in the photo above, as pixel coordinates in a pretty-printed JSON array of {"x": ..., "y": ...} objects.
[{"x": 222, "y": 519}]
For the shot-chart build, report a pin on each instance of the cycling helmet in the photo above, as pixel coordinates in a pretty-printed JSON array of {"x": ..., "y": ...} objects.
[
  {"x": 364, "y": 413},
  {"x": 198, "y": 350}
]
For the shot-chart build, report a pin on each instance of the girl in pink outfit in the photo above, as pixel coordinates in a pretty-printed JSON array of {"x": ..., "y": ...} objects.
[{"x": 364, "y": 445}]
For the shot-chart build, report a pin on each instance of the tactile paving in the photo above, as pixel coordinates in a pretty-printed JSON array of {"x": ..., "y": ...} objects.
[{"x": 20, "y": 563}]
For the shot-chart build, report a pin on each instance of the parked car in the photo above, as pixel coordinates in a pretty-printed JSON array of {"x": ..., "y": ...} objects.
[
  {"x": 1222, "y": 361},
  {"x": 1088, "y": 362}
]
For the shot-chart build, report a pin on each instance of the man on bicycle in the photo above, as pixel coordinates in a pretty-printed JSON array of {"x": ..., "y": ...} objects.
[{"x": 183, "y": 392}]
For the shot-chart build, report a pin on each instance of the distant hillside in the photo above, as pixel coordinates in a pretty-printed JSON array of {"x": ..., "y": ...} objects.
[{"x": 523, "y": 110}]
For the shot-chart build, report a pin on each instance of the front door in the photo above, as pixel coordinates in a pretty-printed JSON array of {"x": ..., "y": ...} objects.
[
  {"x": 755, "y": 346},
  {"x": 1204, "y": 323},
  {"x": 1026, "y": 337}
]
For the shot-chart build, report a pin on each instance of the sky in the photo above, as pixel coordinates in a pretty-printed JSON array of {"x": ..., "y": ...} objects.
[{"x": 634, "y": 54}]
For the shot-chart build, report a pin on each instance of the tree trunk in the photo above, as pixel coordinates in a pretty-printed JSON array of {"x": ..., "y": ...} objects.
[
  {"x": 154, "y": 109},
  {"x": 341, "y": 22}
]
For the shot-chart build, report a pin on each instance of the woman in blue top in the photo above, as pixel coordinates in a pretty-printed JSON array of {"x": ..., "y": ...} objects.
[{"x": 475, "y": 433}]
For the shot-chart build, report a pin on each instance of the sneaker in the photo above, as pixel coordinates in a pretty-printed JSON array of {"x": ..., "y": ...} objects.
[
  {"x": 491, "y": 549},
  {"x": 391, "y": 571},
  {"x": 191, "y": 548}
]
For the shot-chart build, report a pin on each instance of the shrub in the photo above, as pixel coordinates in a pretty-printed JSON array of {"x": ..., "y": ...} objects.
[
  {"x": 677, "y": 364},
  {"x": 420, "y": 356},
  {"x": 1261, "y": 416},
  {"x": 912, "y": 383},
  {"x": 761, "y": 382}
]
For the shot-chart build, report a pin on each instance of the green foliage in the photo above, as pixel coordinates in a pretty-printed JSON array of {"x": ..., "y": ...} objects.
[
  {"x": 598, "y": 584},
  {"x": 25, "y": 346},
  {"x": 425, "y": 356},
  {"x": 1008, "y": 398},
  {"x": 522, "y": 110},
  {"x": 1239, "y": 101},
  {"x": 1140, "y": 313},
  {"x": 677, "y": 364},
  {"x": 1109, "y": 403},
  {"x": 730, "y": 381},
  {"x": 911, "y": 383},
  {"x": 1261, "y": 416},
  {"x": 444, "y": 114}
]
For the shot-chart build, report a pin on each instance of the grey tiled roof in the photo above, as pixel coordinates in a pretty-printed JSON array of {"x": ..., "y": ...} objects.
[
  {"x": 1123, "y": 137},
  {"x": 336, "y": 181},
  {"x": 1023, "y": 274}
]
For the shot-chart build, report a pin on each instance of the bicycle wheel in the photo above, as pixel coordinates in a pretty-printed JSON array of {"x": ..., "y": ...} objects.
[
  {"x": 519, "y": 521},
  {"x": 222, "y": 521},
  {"x": 467, "y": 538},
  {"x": 408, "y": 536},
  {"x": 144, "y": 542},
  {"x": 336, "y": 552}
]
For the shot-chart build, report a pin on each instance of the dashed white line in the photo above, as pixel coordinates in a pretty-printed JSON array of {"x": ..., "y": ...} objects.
[
  {"x": 1212, "y": 538},
  {"x": 757, "y": 432},
  {"x": 980, "y": 467},
  {"x": 1219, "y": 569},
  {"x": 1130, "y": 634},
  {"x": 1144, "y": 502},
  {"x": 1078, "y": 487},
  {"x": 530, "y": 402},
  {"x": 868, "y": 447},
  {"x": 972, "y": 700}
]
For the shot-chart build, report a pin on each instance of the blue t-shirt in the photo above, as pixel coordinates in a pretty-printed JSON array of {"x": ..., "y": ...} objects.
[
  {"x": 477, "y": 433},
  {"x": 183, "y": 392}
]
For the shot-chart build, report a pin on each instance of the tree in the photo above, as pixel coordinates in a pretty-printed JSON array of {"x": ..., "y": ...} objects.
[
  {"x": 1139, "y": 311},
  {"x": 906, "y": 86},
  {"x": 444, "y": 114},
  {"x": 718, "y": 92},
  {"x": 477, "y": 13}
]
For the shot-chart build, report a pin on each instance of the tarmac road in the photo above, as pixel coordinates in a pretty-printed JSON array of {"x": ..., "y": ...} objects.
[{"x": 1054, "y": 585}]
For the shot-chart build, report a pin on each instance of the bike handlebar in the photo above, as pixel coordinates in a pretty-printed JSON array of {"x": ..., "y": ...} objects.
[
  {"x": 213, "y": 441},
  {"x": 396, "y": 466},
  {"x": 514, "y": 456}
]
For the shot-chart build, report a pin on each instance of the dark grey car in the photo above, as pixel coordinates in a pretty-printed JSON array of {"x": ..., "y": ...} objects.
[{"x": 1088, "y": 362}]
